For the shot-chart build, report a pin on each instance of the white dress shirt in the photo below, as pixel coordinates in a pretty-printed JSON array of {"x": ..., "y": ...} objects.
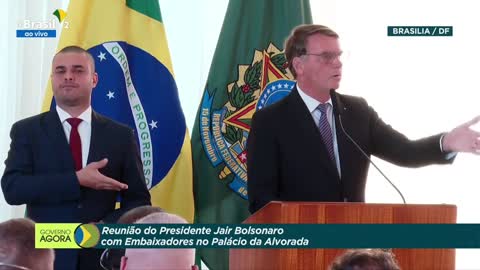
[{"x": 84, "y": 129}]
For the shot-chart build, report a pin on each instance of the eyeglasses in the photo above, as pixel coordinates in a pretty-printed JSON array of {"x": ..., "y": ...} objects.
[
  {"x": 329, "y": 57},
  {"x": 110, "y": 259},
  {"x": 14, "y": 266}
]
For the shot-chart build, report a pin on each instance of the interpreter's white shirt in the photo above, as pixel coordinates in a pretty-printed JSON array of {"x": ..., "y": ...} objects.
[{"x": 84, "y": 129}]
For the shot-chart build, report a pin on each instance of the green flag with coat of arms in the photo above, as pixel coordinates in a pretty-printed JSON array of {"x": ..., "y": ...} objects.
[{"x": 248, "y": 72}]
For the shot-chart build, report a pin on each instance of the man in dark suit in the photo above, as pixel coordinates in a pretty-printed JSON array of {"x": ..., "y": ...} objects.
[
  {"x": 298, "y": 148},
  {"x": 70, "y": 163}
]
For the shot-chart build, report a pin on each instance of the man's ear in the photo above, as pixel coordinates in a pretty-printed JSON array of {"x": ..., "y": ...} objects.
[
  {"x": 123, "y": 263},
  {"x": 94, "y": 79},
  {"x": 297, "y": 64}
]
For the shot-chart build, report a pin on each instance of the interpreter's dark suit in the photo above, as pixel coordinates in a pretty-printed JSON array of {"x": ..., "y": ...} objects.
[
  {"x": 40, "y": 173},
  {"x": 287, "y": 160}
]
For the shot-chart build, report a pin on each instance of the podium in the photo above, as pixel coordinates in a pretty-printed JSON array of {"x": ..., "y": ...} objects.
[{"x": 325, "y": 213}]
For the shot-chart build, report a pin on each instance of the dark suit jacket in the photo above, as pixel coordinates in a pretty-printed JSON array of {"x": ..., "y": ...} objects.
[
  {"x": 287, "y": 160},
  {"x": 40, "y": 173}
]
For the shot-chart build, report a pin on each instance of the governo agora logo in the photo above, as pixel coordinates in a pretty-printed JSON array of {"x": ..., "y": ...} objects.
[
  {"x": 224, "y": 130},
  {"x": 87, "y": 235}
]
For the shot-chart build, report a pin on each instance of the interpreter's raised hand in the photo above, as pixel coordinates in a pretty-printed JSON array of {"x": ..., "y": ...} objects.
[
  {"x": 90, "y": 177},
  {"x": 463, "y": 138}
]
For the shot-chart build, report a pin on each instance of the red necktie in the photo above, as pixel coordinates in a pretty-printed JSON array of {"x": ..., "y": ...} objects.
[{"x": 75, "y": 142}]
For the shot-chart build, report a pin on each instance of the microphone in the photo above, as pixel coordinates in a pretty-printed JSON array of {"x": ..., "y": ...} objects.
[{"x": 339, "y": 112}]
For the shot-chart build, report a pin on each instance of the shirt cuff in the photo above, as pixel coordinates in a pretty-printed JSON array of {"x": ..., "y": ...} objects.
[{"x": 448, "y": 155}]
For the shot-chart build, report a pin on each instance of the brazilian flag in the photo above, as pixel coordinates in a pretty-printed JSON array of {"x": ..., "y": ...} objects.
[{"x": 137, "y": 87}]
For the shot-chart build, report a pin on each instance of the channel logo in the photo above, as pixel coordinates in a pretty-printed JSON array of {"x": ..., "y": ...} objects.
[
  {"x": 55, "y": 235},
  {"x": 60, "y": 14},
  {"x": 28, "y": 28},
  {"x": 87, "y": 235}
]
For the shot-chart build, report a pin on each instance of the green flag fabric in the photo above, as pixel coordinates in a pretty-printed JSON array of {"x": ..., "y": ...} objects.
[{"x": 248, "y": 72}]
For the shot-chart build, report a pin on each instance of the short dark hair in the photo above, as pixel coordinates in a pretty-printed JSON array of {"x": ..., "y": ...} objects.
[
  {"x": 78, "y": 49},
  {"x": 362, "y": 259},
  {"x": 296, "y": 42},
  {"x": 17, "y": 243}
]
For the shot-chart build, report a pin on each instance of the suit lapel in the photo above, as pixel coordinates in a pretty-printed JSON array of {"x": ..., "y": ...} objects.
[
  {"x": 306, "y": 124},
  {"x": 96, "y": 139},
  {"x": 344, "y": 144},
  {"x": 56, "y": 135}
]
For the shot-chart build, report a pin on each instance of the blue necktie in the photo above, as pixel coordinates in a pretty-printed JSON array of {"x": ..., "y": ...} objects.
[{"x": 326, "y": 131}]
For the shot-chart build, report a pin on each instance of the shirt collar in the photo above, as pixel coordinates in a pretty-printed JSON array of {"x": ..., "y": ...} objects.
[
  {"x": 86, "y": 116},
  {"x": 311, "y": 103}
]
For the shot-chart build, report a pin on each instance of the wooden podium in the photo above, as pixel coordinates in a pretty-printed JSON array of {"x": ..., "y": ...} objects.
[{"x": 324, "y": 213}]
